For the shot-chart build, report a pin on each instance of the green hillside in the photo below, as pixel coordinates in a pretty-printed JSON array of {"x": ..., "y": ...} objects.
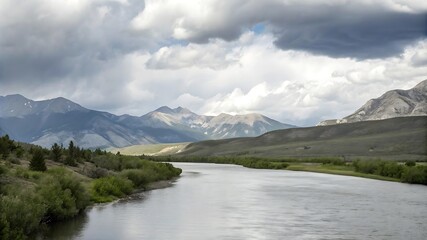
[{"x": 394, "y": 139}]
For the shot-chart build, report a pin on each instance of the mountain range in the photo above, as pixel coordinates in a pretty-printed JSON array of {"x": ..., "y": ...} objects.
[
  {"x": 394, "y": 103},
  {"x": 60, "y": 120}
]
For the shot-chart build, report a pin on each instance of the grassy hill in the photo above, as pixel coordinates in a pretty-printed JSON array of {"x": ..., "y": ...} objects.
[{"x": 395, "y": 139}]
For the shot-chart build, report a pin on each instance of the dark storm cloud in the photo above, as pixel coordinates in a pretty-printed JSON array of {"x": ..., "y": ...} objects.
[
  {"x": 372, "y": 36},
  {"x": 35, "y": 48},
  {"x": 96, "y": 52},
  {"x": 356, "y": 29}
]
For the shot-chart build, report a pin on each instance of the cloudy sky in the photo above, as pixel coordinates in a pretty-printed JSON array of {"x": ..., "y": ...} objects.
[{"x": 298, "y": 61}]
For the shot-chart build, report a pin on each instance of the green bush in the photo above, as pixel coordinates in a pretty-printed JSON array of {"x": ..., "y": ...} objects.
[
  {"x": 70, "y": 161},
  {"x": 388, "y": 169},
  {"x": 3, "y": 170},
  {"x": 333, "y": 161},
  {"x": 410, "y": 163},
  {"x": 281, "y": 165},
  {"x": 163, "y": 171},
  {"x": 21, "y": 214},
  {"x": 416, "y": 174},
  {"x": 408, "y": 174},
  {"x": 365, "y": 166},
  {"x": 63, "y": 195},
  {"x": 379, "y": 167},
  {"x": 109, "y": 188},
  {"x": 94, "y": 172},
  {"x": 139, "y": 177}
]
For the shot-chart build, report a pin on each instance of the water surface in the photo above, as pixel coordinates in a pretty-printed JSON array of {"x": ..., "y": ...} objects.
[{"x": 231, "y": 202}]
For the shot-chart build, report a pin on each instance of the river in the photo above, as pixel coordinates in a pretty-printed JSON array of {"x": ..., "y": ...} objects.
[{"x": 231, "y": 202}]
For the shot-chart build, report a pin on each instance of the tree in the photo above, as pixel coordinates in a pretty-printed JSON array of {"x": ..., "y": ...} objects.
[
  {"x": 70, "y": 160},
  {"x": 20, "y": 152},
  {"x": 37, "y": 162},
  {"x": 6, "y": 146},
  {"x": 98, "y": 152},
  {"x": 56, "y": 152},
  {"x": 71, "y": 149}
]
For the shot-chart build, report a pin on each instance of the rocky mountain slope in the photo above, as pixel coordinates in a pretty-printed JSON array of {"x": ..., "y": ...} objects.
[
  {"x": 216, "y": 127},
  {"x": 394, "y": 103},
  {"x": 60, "y": 120}
]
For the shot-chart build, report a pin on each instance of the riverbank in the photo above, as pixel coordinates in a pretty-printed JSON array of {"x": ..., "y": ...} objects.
[
  {"x": 344, "y": 171},
  {"x": 41, "y": 186},
  {"x": 136, "y": 194},
  {"x": 404, "y": 171},
  {"x": 160, "y": 184}
]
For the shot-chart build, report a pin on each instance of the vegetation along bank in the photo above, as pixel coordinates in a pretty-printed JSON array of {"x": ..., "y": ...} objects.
[
  {"x": 39, "y": 186},
  {"x": 398, "y": 171}
]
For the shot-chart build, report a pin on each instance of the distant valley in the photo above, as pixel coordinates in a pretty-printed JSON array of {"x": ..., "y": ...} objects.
[{"x": 60, "y": 120}]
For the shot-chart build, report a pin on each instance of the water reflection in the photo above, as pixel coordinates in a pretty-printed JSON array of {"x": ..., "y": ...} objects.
[
  {"x": 70, "y": 229},
  {"x": 230, "y": 202}
]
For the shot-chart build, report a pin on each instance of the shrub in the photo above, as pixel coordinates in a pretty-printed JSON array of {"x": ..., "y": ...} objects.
[
  {"x": 63, "y": 195},
  {"x": 281, "y": 165},
  {"x": 21, "y": 214},
  {"x": 365, "y": 166},
  {"x": 94, "y": 172},
  {"x": 389, "y": 169},
  {"x": 70, "y": 161},
  {"x": 109, "y": 188},
  {"x": 415, "y": 175},
  {"x": 410, "y": 163},
  {"x": 3, "y": 170},
  {"x": 378, "y": 167},
  {"x": 139, "y": 177},
  {"x": 19, "y": 152}
]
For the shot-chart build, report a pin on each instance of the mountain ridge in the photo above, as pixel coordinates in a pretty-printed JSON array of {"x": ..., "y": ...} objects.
[
  {"x": 60, "y": 120},
  {"x": 393, "y": 103},
  {"x": 16, "y": 105}
]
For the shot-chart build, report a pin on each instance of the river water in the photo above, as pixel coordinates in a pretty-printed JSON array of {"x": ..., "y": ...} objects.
[{"x": 231, "y": 202}]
